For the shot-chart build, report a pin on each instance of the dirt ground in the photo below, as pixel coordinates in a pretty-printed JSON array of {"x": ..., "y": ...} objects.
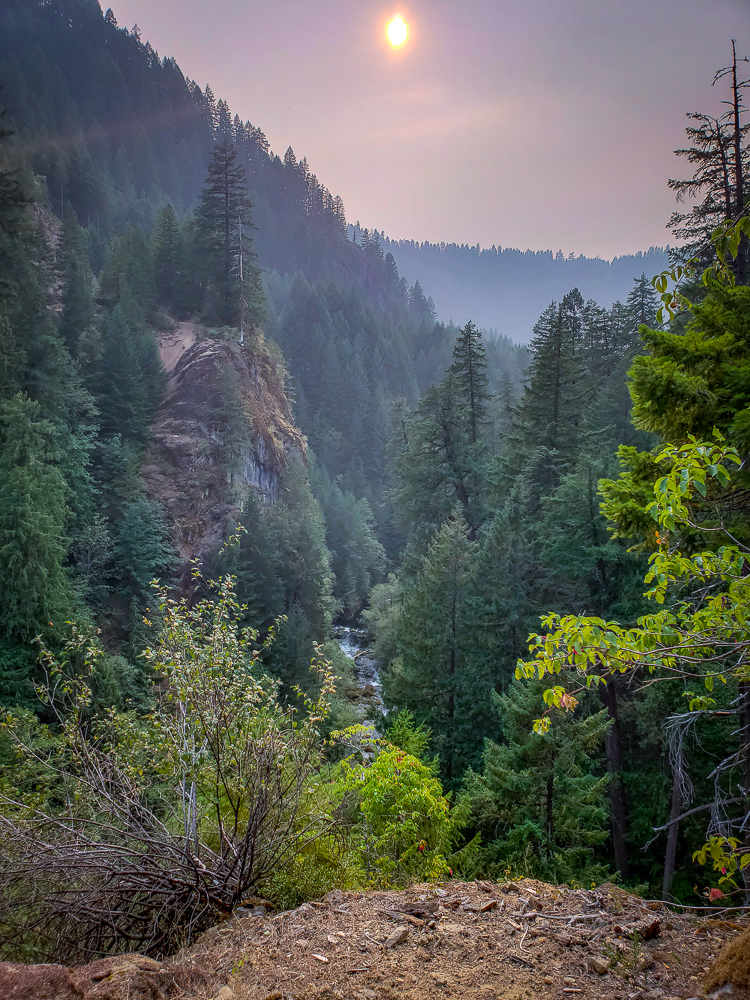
[
  {"x": 474, "y": 941},
  {"x": 478, "y": 941}
]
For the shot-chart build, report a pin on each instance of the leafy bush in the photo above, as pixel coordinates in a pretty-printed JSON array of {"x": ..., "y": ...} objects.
[{"x": 406, "y": 826}]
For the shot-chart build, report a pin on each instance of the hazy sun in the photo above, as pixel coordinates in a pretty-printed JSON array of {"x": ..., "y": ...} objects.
[{"x": 398, "y": 32}]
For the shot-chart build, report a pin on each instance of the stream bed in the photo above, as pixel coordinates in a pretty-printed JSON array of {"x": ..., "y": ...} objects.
[{"x": 353, "y": 643}]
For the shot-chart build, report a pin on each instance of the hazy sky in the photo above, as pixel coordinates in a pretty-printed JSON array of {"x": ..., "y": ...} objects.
[{"x": 539, "y": 124}]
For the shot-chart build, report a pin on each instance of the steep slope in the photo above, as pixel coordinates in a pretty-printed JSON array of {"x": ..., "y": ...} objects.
[
  {"x": 117, "y": 132},
  {"x": 223, "y": 429}
]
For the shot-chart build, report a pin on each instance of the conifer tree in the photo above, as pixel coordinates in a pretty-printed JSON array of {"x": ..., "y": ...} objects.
[
  {"x": 437, "y": 676},
  {"x": 34, "y": 591},
  {"x": 77, "y": 303},
  {"x": 720, "y": 150},
  {"x": 127, "y": 377},
  {"x": 539, "y": 803},
  {"x": 550, "y": 415},
  {"x": 166, "y": 252},
  {"x": 224, "y": 224},
  {"x": 142, "y": 551},
  {"x": 641, "y": 306},
  {"x": 470, "y": 376}
]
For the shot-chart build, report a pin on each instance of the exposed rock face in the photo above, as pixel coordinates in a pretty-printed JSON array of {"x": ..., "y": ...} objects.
[{"x": 224, "y": 428}]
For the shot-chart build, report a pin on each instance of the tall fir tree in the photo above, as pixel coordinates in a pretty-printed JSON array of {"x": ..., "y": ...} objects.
[
  {"x": 539, "y": 803},
  {"x": 35, "y": 595},
  {"x": 438, "y": 675},
  {"x": 233, "y": 293},
  {"x": 470, "y": 376}
]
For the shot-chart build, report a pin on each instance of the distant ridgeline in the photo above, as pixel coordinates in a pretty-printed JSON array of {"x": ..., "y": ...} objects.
[{"x": 501, "y": 288}]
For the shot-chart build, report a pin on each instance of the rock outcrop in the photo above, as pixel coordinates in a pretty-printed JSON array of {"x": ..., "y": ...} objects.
[{"x": 224, "y": 428}]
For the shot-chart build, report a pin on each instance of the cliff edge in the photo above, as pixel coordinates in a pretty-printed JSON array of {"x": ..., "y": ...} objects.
[{"x": 224, "y": 428}]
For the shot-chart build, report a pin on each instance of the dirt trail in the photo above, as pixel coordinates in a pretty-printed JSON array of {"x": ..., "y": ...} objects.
[{"x": 174, "y": 343}]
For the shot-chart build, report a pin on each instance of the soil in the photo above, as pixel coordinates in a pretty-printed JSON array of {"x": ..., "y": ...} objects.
[
  {"x": 174, "y": 343},
  {"x": 474, "y": 941}
]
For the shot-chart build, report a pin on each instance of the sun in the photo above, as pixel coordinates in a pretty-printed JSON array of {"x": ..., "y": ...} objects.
[{"x": 397, "y": 31}]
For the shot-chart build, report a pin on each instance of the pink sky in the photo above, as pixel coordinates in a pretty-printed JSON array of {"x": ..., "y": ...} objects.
[{"x": 539, "y": 124}]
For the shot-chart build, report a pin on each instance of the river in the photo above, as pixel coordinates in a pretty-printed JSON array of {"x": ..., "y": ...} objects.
[{"x": 353, "y": 643}]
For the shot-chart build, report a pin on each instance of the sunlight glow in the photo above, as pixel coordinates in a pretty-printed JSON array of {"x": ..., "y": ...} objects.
[{"x": 397, "y": 31}]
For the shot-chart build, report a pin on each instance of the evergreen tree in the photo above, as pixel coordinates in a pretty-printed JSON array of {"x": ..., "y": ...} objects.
[
  {"x": 641, "y": 306},
  {"x": 224, "y": 224},
  {"x": 142, "y": 550},
  {"x": 539, "y": 803},
  {"x": 550, "y": 416},
  {"x": 34, "y": 591},
  {"x": 470, "y": 376},
  {"x": 167, "y": 251},
  {"x": 255, "y": 562},
  {"x": 77, "y": 303},
  {"x": 298, "y": 532},
  {"x": 437, "y": 675},
  {"x": 688, "y": 383},
  {"x": 126, "y": 374},
  {"x": 720, "y": 150}
]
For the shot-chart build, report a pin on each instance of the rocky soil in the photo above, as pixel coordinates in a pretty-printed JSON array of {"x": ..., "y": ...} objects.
[{"x": 475, "y": 941}]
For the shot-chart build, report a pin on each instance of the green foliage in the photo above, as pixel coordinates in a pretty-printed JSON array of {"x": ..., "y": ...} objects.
[
  {"x": 125, "y": 374},
  {"x": 34, "y": 592},
  {"x": 469, "y": 371},
  {"x": 220, "y": 780},
  {"x": 700, "y": 636},
  {"x": 357, "y": 557},
  {"x": 230, "y": 276},
  {"x": 298, "y": 531},
  {"x": 407, "y": 823},
  {"x": 382, "y": 619},
  {"x": 538, "y": 802},
  {"x": 142, "y": 549},
  {"x": 437, "y": 677},
  {"x": 406, "y": 735}
]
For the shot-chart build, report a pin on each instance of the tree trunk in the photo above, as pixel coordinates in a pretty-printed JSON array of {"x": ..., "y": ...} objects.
[
  {"x": 550, "y": 822},
  {"x": 613, "y": 749},
  {"x": 739, "y": 180},
  {"x": 671, "y": 855},
  {"x": 745, "y": 743}
]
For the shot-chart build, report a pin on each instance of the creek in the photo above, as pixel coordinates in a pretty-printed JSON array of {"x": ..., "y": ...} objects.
[{"x": 353, "y": 643}]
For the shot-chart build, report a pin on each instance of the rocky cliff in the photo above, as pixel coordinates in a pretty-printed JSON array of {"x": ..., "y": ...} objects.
[{"x": 224, "y": 428}]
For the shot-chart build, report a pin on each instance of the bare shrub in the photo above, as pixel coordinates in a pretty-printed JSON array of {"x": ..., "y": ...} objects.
[{"x": 134, "y": 834}]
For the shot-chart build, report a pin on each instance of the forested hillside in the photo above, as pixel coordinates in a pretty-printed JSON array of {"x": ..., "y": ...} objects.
[
  {"x": 499, "y": 287},
  {"x": 226, "y": 427}
]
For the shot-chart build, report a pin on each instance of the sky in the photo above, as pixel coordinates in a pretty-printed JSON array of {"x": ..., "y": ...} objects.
[{"x": 537, "y": 124}]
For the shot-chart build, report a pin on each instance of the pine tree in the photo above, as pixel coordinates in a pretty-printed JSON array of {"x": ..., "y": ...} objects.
[
  {"x": 538, "y": 802},
  {"x": 437, "y": 677},
  {"x": 166, "y": 253},
  {"x": 721, "y": 154},
  {"x": 142, "y": 550},
  {"x": 641, "y": 306},
  {"x": 127, "y": 377},
  {"x": 224, "y": 224},
  {"x": 470, "y": 376},
  {"x": 77, "y": 303},
  {"x": 550, "y": 416},
  {"x": 34, "y": 592}
]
